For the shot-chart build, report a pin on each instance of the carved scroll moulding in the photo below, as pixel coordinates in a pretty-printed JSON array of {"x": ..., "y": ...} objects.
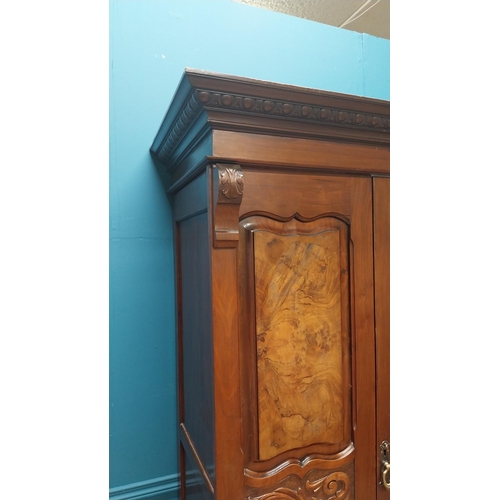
[{"x": 334, "y": 486}]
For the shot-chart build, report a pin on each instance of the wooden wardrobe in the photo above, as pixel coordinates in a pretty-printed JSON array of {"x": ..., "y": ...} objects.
[{"x": 280, "y": 197}]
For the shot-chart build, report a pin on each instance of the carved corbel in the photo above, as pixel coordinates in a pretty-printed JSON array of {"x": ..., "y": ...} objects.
[{"x": 227, "y": 195}]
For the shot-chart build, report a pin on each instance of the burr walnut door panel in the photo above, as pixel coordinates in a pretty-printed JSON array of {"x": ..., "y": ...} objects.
[{"x": 307, "y": 337}]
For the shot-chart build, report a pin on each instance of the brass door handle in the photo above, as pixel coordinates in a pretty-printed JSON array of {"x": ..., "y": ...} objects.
[{"x": 386, "y": 467}]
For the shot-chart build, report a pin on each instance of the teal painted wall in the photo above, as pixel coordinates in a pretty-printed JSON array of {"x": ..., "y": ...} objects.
[{"x": 151, "y": 42}]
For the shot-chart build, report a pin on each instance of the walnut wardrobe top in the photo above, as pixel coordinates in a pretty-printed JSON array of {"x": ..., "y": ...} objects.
[{"x": 216, "y": 118}]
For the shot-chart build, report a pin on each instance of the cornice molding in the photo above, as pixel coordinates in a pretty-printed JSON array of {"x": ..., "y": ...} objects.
[
  {"x": 207, "y": 101},
  {"x": 179, "y": 127},
  {"x": 292, "y": 110}
]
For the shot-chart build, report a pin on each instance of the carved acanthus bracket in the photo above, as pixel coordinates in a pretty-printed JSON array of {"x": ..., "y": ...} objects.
[{"x": 228, "y": 185}]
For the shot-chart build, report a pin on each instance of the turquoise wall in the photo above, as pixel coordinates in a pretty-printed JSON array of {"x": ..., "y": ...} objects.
[{"x": 151, "y": 42}]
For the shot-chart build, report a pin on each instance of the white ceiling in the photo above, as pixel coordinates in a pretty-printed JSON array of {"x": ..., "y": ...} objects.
[{"x": 363, "y": 16}]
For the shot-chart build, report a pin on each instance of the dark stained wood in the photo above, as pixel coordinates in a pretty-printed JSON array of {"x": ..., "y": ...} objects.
[
  {"x": 248, "y": 351},
  {"x": 323, "y": 191},
  {"x": 229, "y": 456},
  {"x": 282, "y": 268},
  {"x": 197, "y": 374},
  {"x": 180, "y": 356},
  {"x": 297, "y": 152},
  {"x": 363, "y": 334},
  {"x": 226, "y": 84},
  {"x": 190, "y": 165},
  {"x": 226, "y": 103},
  {"x": 192, "y": 200},
  {"x": 317, "y": 484},
  {"x": 350, "y": 199},
  {"x": 254, "y": 104},
  {"x": 381, "y": 214},
  {"x": 226, "y": 190},
  {"x": 299, "y": 468}
]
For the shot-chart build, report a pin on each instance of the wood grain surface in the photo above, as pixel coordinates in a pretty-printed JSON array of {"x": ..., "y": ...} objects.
[
  {"x": 299, "y": 340},
  {"x": 381, "y": 225},
  {"x": 283, "y": 313}
]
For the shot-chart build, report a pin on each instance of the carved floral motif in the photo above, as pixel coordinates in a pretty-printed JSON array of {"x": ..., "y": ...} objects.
[
  {"x": 231, "y": 181},
  {"x": 228, "y": 194}
]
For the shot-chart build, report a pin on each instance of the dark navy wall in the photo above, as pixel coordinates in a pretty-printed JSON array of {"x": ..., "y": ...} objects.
[{"x": 151, "y": 42}]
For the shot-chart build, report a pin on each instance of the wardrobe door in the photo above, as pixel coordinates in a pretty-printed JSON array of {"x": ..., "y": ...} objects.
[{"x": 307, "y": 336}]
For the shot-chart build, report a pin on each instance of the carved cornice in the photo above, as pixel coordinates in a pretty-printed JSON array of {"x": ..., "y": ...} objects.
[
  {"x": 240, "y": 102},
  {"x": 292, "y": 110},
  {"x": 179, "y": 127},
  {"x": 206, "y": 104}
]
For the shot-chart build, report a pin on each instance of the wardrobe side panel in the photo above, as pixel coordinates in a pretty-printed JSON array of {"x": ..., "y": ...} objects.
[{"x": 195, "y": 338}]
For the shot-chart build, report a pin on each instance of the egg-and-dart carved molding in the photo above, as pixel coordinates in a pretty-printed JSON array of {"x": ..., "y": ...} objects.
[
  {"x": 199, "y": 99},
  {"x": 293, "y": 110}
]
